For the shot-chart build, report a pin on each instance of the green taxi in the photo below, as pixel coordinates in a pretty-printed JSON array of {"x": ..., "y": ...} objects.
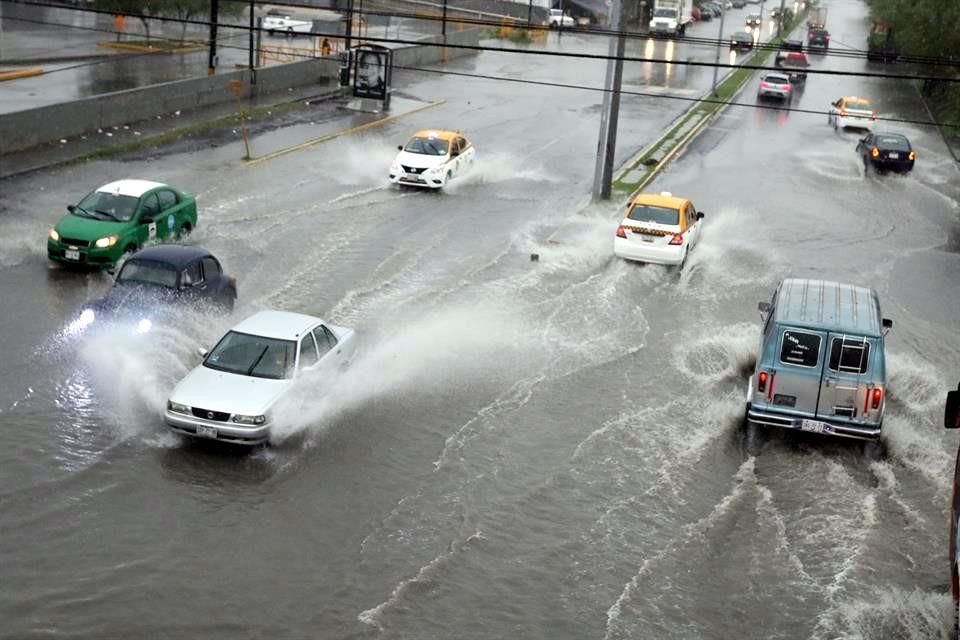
[{"x": 111, "y": 223}]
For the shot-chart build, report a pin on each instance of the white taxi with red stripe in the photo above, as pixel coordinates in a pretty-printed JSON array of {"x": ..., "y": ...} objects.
[
  {"x": 432, "y": 158},
  {"x": 658, "y": 228}
]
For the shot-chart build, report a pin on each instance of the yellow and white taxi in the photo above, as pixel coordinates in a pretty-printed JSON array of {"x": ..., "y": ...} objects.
[
  {"x": 658, "y": 228},
  {"x": 432, "y": 158}
]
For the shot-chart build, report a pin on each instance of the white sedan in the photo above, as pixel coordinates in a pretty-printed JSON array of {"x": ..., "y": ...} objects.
[
  {"x": 432, "y": 158},
  {"x": 229, "y": 396}
]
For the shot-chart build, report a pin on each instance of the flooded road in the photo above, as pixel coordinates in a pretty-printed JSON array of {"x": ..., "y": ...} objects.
[{"x": 522, "y": 449}]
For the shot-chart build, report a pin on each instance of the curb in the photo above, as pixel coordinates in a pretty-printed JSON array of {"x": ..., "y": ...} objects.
[
  {"x": 138, "y": 48},
  {"x": 13, "y": 74}
]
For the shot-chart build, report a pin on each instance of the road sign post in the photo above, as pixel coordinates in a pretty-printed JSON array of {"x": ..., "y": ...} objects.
[{"x": 237, "y": 86}]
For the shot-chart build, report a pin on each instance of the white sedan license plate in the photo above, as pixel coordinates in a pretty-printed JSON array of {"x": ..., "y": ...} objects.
[
  {"x": 206, "y": 432},
  {"x": 813, "y": 426},
  {"x": 893, "y": 156},
  {"x": 72, "y": 254}
]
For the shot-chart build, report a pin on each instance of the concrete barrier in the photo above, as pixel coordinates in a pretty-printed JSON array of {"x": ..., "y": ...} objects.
[{"x": 21, "y": 130}]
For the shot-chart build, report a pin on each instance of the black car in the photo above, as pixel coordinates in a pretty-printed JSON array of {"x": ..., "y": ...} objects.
[
  {"x": 887, "y": 151},
  {"x": 791, "y": 45},
  {"x": 741, "y": 41},
  {"x": 739, "y": 4},
  {"x": 154, "y": 282},
  {"x": 818, "y": 38}
]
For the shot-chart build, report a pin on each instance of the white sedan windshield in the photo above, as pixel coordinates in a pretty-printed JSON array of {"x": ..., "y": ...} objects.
[
  {"x": 427, "y": 146},
  {"x": 250, "y": 355}
]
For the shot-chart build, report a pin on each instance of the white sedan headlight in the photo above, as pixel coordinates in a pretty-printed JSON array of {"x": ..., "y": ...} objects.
[
  {"x": 144, "y": 326},
  {"x": 240, "y": 419},
  {"x": 108, "y": 241},
  {"x": 176, "y": 407},
  {"x": 54, "y": 235},
  {"x": 394, "y": 166}
]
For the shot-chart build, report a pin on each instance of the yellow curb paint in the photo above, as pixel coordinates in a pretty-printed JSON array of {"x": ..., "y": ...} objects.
[
  {"x": 338, "y": 134},
  {"x": 13, "y": 74},
  {"x": 122, "y": 46}
]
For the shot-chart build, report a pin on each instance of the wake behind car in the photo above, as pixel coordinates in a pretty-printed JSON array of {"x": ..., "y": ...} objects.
[
  {"x": 853, "y": 112},
  {"x": 156, "y": 282},
  {"x": 432, "y": 158},
  {"x": 117, "y": 219},
  {"x": 821, "y": 364},
  {"x": 775, "y": 85},
  {"x": 230, "y": 395},
  {"x": 887, "y": 151},
  {"x": 658, "y": 228}
]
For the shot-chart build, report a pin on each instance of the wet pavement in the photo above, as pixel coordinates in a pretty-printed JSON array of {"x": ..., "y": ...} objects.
[{"x": 522, "y": 449}]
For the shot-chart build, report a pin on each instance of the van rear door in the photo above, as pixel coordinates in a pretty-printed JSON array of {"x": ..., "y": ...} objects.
[
  {"x": 846, "y": 377},
  {"x": 795, "y": 382}
]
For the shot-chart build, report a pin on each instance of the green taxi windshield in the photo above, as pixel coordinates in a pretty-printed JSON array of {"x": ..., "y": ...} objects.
[
  {"x": 108, "y": 206},
  {"x": 249, "y": 355},
  {"x": 427, "y": 146},
  {"x": 148, "y": 273}
]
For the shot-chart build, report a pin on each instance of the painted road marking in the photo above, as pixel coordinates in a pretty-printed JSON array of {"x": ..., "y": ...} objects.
[
  {"x": 13, "y": 74},
  {"x": 338, "y": 134}
]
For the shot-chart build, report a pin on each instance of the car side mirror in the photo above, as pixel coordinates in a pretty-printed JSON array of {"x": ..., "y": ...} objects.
[
  {"x": 71, "y": 208},
  {"x": 887, "y": 324},
  {"x": 951, "y": 412},
  {"x": 699, "y": 215},
  {"x": 399, "y": 147},
  {"x": 764, "y": 307},
  {"x": 203, "y": 352}
]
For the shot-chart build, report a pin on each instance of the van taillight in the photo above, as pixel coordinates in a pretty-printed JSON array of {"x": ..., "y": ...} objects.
[
  {"x": 876, "y": 397},
  {"x": 621, "y": 232},
  {"x": 762, "y": 381},
  {"x": 677, "y": 238}
]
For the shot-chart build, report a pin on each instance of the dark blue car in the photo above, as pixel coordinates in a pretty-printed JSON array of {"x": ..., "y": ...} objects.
[{"x": 155, "y": 281}]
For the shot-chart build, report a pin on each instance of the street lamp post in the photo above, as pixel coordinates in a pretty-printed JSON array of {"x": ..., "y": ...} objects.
[{"x": 716, "y": 62}]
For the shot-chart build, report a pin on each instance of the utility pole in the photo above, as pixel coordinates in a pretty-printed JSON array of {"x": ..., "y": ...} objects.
[
  {"x": 212, "y": 57},
  {"x": 610, "y": 112},
  {"x": 716, "y": 62},
  {"x": 250, "y": 65},
  {"x": 780, "y": 19}
]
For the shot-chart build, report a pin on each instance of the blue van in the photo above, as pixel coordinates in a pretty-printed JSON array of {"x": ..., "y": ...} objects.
[{"x": 821, "y": 365}]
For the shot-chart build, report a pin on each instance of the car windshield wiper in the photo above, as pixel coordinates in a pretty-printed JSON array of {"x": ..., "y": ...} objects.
[
  {"x": 257, "y": 361},
  {"x": 86, "y": 213},
  {"x": 108, "y": 214}
]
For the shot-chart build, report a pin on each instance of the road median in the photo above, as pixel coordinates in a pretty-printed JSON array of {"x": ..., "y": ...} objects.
[{"x": 642, "y": 168}]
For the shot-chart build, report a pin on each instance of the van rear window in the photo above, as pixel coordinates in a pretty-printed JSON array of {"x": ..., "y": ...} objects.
[
  {"x": 850, "y": 355},
  {"x": 800, "y": 349}
]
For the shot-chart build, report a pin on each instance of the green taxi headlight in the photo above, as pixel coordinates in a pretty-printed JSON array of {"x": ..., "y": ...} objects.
[
  {"x": 108, "y": 241},
  {"x": 240, "y": 419},
  {"x": 176, "y": 407},
  {"x": 54, "y": 235}
]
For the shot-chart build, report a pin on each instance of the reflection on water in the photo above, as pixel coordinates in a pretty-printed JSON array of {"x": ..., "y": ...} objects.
[
  {"x": 658, "y": 73},
  {"x": 668, "y": 55}
]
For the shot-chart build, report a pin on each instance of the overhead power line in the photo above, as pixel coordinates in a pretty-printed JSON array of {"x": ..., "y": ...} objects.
[
  {"x": 847, "y": 52},
  {"x": 544, "y": 83}
]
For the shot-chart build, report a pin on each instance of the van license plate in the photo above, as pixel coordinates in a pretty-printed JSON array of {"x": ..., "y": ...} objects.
[
  {"x": 206, "y": 432},
  {"x": 813, "y": 426}
]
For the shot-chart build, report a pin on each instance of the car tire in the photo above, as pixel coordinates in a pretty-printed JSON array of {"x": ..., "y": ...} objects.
[
  {"x": 129, "y": 251},
  {"x": 873, "y": 450},
  {"x": 836, "y": 124},
  {"x": 289, "y": 32},
  {"x": 229, "y": 299},
  {"x": 449, "y": 177},
  {"x": 184, "y": 232},
  {"x": 270, "y": 32}
]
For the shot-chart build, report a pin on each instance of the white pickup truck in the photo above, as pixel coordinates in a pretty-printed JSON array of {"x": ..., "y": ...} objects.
[
  {"x": 558, "y": 19},
  {"x": 273, "y": 23}
]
